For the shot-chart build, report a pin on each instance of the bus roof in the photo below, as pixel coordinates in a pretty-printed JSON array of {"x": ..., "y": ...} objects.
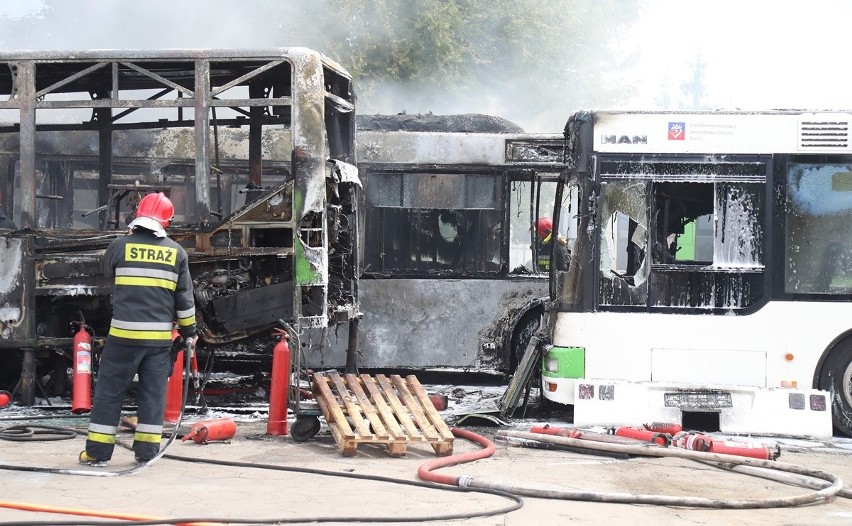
[{"x": 716, "y": 132}]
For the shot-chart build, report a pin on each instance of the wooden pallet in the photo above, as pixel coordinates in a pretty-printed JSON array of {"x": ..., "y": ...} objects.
[{"x": 390, "y": 411}]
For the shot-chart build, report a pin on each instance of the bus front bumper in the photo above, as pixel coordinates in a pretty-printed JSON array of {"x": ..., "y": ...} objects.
[{"x": 740, "y": 409}]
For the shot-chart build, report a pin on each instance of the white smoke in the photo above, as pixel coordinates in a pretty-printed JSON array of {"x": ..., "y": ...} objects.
[{"x": 720, "y": 54}]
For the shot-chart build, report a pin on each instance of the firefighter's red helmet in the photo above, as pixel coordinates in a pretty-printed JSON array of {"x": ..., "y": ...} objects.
[
  {"x": 544, "y": 226},
  {"x": 158, "y": 207}
]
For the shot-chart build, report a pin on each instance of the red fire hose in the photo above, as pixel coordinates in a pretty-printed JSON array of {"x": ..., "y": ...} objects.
[{"x": 425, "y": 471}]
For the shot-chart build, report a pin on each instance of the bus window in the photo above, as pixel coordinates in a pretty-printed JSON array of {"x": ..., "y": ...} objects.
[
  {"x": 449, "y": 223},
  {"x": 522, "y": 208},
  {"x": 818, "y": 242},
  {"x": 520, "y": 239},
  {"x": 708, "y": 223},
  {"x": 708, "y": 244},
  {"x": 738, "y": 240},
  {"x": 677, "y": 205},
  {"x": 623, "y": 242}
]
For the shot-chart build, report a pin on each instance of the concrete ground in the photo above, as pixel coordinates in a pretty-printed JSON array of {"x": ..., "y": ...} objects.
[{"x": 173, "y": 487}]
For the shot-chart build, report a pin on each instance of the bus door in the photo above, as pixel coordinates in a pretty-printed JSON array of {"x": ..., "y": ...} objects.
[{"x": 532, "y": 199}]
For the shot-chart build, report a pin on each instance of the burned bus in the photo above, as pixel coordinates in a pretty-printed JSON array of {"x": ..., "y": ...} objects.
[
  {"x": 254, "y": 147},
  {"x": 450, "y": 277}
]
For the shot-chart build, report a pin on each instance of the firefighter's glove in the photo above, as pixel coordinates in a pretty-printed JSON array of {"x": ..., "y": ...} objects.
[{"x": 178, "y": 345}]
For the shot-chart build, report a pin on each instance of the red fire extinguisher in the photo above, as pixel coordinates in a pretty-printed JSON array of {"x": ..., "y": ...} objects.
[
  {"x": 81, "y": 395},
  {"x": 699, "y": 442},
  {"x": 174, "y": 389},
  {"x": 556, "y": 431},
  {"x": 211, "y": 430},
  {"x": 277, "y": 422},
  {"x": 662, "y": 439},
  {"x": 669, "y": 428}
]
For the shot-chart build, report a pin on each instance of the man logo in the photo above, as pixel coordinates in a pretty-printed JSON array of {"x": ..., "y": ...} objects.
[
  {"x": 677, "y": 131},
  {"x": 624, "y": 139}
]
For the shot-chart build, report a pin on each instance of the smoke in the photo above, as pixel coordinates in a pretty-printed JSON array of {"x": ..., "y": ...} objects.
[
  {"x": 153, "y": 24},
  {"x": 534, "y": 91},
  {"x": 613, "y": 54}
]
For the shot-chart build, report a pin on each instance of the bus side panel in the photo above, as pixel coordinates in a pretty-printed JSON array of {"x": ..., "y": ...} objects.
[
  {"x": 621, "y": 346},
  {"x": 413, "y": 323}
]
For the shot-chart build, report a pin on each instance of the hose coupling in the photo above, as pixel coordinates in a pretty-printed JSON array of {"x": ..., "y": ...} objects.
[{"x": 465, "y": 481}]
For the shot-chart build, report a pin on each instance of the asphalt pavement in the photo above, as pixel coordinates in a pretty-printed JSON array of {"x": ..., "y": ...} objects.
[{"x": 259, "y": 478}]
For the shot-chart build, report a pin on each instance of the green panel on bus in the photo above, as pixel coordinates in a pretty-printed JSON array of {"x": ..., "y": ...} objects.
[
  {"x": 570, "y": 362},
  {"x": 686, "y": 243}
]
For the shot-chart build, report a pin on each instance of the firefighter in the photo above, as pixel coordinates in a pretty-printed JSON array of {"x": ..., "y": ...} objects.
[
  {"x": 152, "y": 288},
  {"x": 562, "y": 257}
]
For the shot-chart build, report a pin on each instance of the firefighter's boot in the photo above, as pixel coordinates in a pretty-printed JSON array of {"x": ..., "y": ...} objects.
[{"x": 88, "y": 460}]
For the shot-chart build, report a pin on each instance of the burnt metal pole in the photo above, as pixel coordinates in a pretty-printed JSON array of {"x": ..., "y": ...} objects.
[
  {"x": 66, "y": 219},
  {"x": 28, "y": 378},
  {"x": 27, "y": 101},
  {"x": 104, "y": 118},
  {"x": 199, "y": 207},
  {"x": 255, "y": 136}
]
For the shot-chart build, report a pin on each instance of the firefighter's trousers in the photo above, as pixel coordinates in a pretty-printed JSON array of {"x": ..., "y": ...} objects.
[{"x": 118, "y": 365}]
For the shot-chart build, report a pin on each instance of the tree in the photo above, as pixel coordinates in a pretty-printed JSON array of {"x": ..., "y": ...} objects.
[{"x": 516, "y": 58}]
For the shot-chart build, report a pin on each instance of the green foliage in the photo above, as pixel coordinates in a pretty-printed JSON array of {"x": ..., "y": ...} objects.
[
  {"x": 441, "y": 41},
  {"x": 469, "y": 47}
]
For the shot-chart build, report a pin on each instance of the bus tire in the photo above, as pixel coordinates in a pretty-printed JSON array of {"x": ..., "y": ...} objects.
[
  {"x": 836, "y": 377},
  {"x": 524, "y": 330}
]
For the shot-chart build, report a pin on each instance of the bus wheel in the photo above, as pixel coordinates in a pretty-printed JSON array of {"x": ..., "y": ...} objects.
[
  {"x": 524, "y": 331},
  {"x": 836, "y": 377}
]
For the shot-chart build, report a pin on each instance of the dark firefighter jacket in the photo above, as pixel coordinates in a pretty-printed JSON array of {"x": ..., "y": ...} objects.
[
  {"x": 562, "y": 255},
  {"x": 152, "y": 289}
]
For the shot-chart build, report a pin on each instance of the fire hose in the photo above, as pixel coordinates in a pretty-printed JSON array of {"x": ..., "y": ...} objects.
[
  {"x": 27, "y": 432},
  {"x": 827, "y": 486},
  {"x": 128, "y": 471},
  {"x": 831, "y": 487},
  {"x": 515, "y": 504}
]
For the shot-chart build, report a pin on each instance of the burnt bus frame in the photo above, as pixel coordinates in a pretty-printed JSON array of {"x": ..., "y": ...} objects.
[{"x": 293, "y": 88}]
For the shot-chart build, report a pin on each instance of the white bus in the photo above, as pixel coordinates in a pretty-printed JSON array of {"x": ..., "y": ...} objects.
[{"x": 711, "y": 284}]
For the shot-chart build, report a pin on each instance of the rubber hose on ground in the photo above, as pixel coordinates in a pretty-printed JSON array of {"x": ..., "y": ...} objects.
[
  {"x": 29, "y": 432},
  {"x": 824, "y": 495},
  {"x": 425, "y": 471},
  {"x": 23, "y": 506}
]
